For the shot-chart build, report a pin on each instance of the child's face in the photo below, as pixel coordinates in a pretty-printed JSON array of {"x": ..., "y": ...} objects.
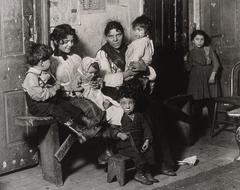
[
  {"x": 45, "y": 64},
  {"x": 66, "y": 44},
  {"x": 128, "y": 105},
  {"x": 92, "y": 70},
  {"x": 198, "y": 41},
  {"x": 139, "y": 32}
]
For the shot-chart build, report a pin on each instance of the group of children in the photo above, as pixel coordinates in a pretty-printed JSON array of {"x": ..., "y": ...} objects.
[{"x": 48, "y": 93}]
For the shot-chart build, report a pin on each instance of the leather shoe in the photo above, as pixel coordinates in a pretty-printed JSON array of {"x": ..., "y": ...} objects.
[
  {"x": 151, "y": 178},
  {"x": 142, "y": 179},
  {"x": 168, "y": 172},
  {"x": 237, "y": 158},
  {"x": 103, "y": 158}
]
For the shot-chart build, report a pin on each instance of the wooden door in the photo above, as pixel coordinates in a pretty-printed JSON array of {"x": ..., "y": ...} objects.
[
  {"x": 170, "y": 35},
  {"x": 169, "y": 21},
  {"x": 221, "y": 20},
  {"x": 18, "y": 27}
]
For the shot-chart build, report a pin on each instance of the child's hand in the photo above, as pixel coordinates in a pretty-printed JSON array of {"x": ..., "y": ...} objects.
[
  {"x": 145, "y": 145},
  {"x": 106, "y": 104},
  {"x": 57, "y": 86},
  {"x": 95, "y": 85},
  {"x": 151, "y": 84},
  {"x": 79, "y": 89},
  {"x": 79, "y": 95},
  {"x": 79, "y": 83},
  {"x": 122, "y": 136},
  {"x": 212, "y": 78},
  {"x": 100, "y": 82}
]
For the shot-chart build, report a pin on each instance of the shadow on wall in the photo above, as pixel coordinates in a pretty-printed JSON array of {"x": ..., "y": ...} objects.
[
  {"x": 80, "y": 48},
  {"x": 172, "y": 79}
]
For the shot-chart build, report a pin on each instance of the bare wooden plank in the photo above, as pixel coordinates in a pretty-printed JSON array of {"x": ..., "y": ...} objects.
[
  {"x": 33, "y": 121},
  {"x": 66, "y": 145}
]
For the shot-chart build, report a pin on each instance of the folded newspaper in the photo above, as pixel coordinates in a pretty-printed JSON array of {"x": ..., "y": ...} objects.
[
  {"x": 234, "y": 112},
  {"x": 188, "y": 161}
]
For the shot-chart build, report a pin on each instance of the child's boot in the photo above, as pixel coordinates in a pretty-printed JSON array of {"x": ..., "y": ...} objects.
[
  {"x": 140, "y": 177},
  {"x": 149, "y": 175},
  {"x": 103, "y": 158}
]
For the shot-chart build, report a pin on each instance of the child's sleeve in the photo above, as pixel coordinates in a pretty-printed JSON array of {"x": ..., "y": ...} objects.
[
  {"x": 152, "y": 74},
  {"x": 36, "y": 92},
  {"x": 139, "y": 49},
  {"x": 146, "y": 128},
  {"x": 110, "y": 79},
  {"x": 148, "y": 53},
  {"x": 188, "y": 62},
  {"x": 214, "y": 59}
]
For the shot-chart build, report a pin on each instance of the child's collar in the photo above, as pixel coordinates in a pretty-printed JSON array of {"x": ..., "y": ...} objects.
[{"x": 35, "y": 70}]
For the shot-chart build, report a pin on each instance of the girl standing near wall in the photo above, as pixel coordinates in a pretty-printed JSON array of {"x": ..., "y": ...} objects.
[{"x": 203, "y": 65}]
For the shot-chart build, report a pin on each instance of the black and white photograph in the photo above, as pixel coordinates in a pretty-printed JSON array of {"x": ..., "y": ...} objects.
[{"x": 119, "y": 94}]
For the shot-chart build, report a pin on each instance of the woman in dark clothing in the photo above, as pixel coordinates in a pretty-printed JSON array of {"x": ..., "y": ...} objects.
[{"x": 112, "y": 68}]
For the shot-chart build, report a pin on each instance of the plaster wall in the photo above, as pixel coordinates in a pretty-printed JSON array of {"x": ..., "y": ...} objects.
[{"x": 90, "y": 23}]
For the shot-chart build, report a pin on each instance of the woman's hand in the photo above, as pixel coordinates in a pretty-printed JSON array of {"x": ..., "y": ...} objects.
[
  {"x": 122, "y": 136},
  {"x": 145, "y": 145},
  {"x": 138, "y": 66},
  {"x": 95, "y": 84},
  {"x": 128, "y": 74},
  {"x": 57, "y": 86}
]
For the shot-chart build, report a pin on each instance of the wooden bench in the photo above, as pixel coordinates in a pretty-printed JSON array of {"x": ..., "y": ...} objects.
[
  {"x": 117, "y": 167},
  {"x": 51, "y": 152}
]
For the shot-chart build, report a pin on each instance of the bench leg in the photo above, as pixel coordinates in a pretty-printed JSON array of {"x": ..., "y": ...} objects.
[
  {"x": 116, "y": 170},
  {"x": 121, "y": 174},
  {"x": 111, "y": 171},
  {"x": 51, "y": 168}
]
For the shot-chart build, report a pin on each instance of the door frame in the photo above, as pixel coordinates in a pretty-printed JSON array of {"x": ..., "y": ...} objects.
[{"x": 42, "y": 10}]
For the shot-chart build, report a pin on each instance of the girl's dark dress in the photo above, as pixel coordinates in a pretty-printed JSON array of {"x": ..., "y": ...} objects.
[{"x": 201, "y": 63}]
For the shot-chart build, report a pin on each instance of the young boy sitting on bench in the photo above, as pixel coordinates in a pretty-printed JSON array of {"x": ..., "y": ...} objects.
[
  {"x": 134, "y": 137},
  {"x": 43, "y": 97}
]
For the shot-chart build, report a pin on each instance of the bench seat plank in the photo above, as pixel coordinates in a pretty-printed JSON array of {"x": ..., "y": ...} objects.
[{"x": 33, "y": 121}]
